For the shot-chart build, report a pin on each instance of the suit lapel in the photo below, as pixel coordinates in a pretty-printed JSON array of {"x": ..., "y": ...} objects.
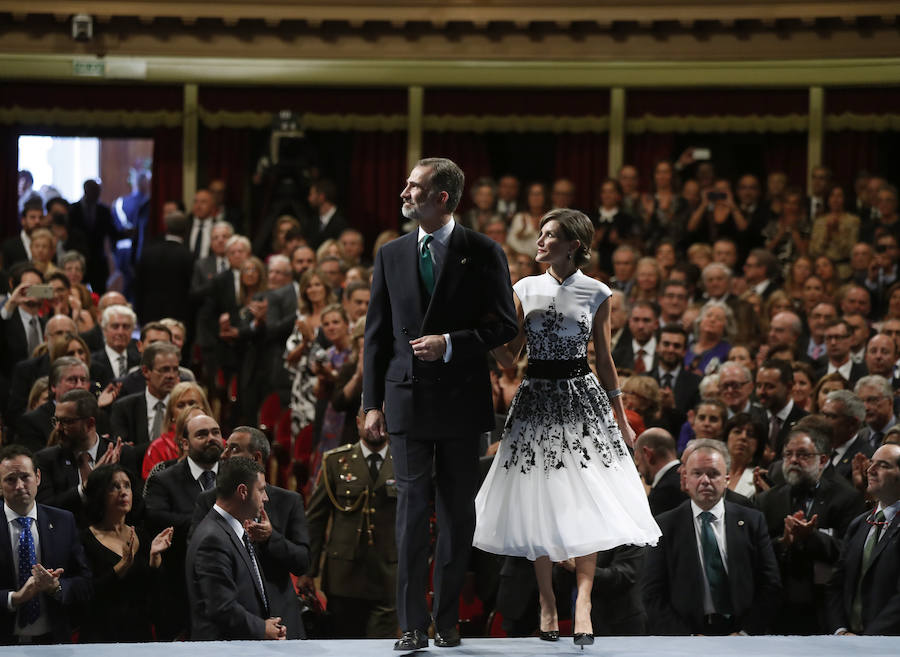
[
  {"x": 45, "y": 533},
  {"x": 736, "y": 545},
  {"x": 452, "y": 270},
  {"x": 245, "y": 556},
  {"x": 884, "y": 540},
  {"x": 141, "y": 415},
  {"x": 408, "y": 265},
  {"x": 7, "y": 557}
]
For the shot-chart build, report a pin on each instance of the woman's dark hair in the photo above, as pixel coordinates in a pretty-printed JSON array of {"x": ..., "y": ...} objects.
[
  {"x": 574, "y": 226},
  {"x": 739, "y": 420},
  {"x": 98, "y": 485}
]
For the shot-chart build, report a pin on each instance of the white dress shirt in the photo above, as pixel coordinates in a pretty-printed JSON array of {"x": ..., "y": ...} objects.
[
  {"x": 649, "y": 350},
  {"x": 196, "y": 470},
  {"x": 113, "y": 356},
  {"x": 663, "y": 470},
  {"x": 326, "y": 217},
  {"x": 718, "y": 527},
  {"x": 151, "y": 411},
  {"x": 843, "y": 370},
  {"x": 201, "y": 229}
]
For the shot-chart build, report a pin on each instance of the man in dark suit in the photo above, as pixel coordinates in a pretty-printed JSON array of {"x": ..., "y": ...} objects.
[
  {"x": 38, "y": 596},
  {"x": 119, "y": 353},
  {"x": 151, "y": 333},
  {"x": 679, "y": 389},
  {"x": 95, "y": 219},
  {"x": 838, "y": 334},
  {"x": 206, "y": 269},
  {"x": 761, "y": 271},
  {"x": 66, "y": 466},
  {"x": 18, "y": 247},
  {"x": 227, "y": 593},
  {"x": 774, "y": 382},
  {"x": 280, "y": 534},
  {"x": 655, "y": 459},
  {"x": 863, "y": 597},
  {"x": 170, "y": 498},
  {"x": 612, "y": 224},
  {"x": 748, "y": 195},
  {"x": 713, "y": 571},
  {"x": 138, "y": 418},
  {"x": 638, "y": 353},
  {"x": 441, "y": 299},
  {"x": 327, "y": 222},
  {"x": 21, "y": 327},
  {"x": 360, "y": 570},
  {"x": 878, "y": 398},
  {"x": 163, "y": 274},
  {"x": 807, "y": 517},
  {"x": 845, "y": 412}
]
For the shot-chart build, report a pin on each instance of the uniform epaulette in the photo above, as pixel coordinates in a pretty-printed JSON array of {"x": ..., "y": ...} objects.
[{"x": 338, "y": 450}]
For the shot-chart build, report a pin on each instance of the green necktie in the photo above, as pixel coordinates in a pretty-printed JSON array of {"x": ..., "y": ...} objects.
[
  {"x": 868, "y": 549},
  {"x": 715, "y": 569},
  {"x": 426, "y": 265}
]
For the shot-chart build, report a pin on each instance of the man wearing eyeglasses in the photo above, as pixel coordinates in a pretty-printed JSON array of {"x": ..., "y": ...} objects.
[
  {"x": 838, "y": 337},
  {"x": 34, "y": 428},
  {"x": 862, "y": 592},
  {"x": 878, "y": 396},
  {"x": 66, "y": 466},
  {"x": 807, "y": 516}
]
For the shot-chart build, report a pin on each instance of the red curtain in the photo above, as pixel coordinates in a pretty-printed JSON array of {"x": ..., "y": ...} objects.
[
  {"x": 848, "y": 152},
  {"x": 787, "y": 152},
  {"x": 9, "y": 175},
  {"x": 166, "y": 184},
  {"x": 378, "y": 169},
  {"x": 583, "y": 159},
  {"x": 644, "y": 150},
  {"x": 468, "y": 149},
  {"x": 227, "y": 155},
  {"x": 710, "y": 102},
  {"x": 543, "y": 102},
  {"x": 321, "y": 100}
]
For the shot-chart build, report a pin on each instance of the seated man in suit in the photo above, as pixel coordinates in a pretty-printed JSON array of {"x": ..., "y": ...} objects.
[
  {"x": 838, "y": 334},
  {"x": 713, "y": 571},
  {"x": 881, "y": 357},
  {"x": 37, "y": 595},
  {"x": 228, "y": 596},
  {"x": 118, "y": 354},
  {"x": 328, "y": 221},
  {"x": 774, "y": 383},
  {"x": 68, "y": 373},
  {"x": 151, "y": 333},
  {"x": 170, "y": 499},
  {"x": 862, "y": 592},
  {"x": 66, "y": 466},
  {"x": 845, "y": 412},
  {"x": 637, "y": 355},
  {"x": 654, "y": 457},
  {"x": 807, "y": 517},
  {"x": 22, "y": 327},
  {"x": 679, "y": 389},
  {"x": 280, "y": 536},
  {"x": 878, "y": 397},
  {"x": 138, "y": 418}
]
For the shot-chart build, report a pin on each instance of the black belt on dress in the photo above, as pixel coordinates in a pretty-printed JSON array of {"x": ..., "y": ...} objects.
[{"x": 558, "y": 369}]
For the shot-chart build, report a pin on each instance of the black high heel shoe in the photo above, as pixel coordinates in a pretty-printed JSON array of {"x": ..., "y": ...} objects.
[
  {"x": 550, "y": 635},
  {"x": 583, "y": 639}
]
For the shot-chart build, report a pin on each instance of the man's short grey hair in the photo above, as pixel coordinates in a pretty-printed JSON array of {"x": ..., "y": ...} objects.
[
  {"x": 853, "y": 405},
  {"x": 117, "y": 309},
  {"x": 875, "y": 381},
  {"x": 258, "y": 441},
  {"x": 710, "y": 445},
  {"x": 224, "y": 224},
  {"x": 796, "y": 323},
  {"x": 238, "y": 239},
  {"x": 820, "y": 440},
  {"x": 734, "y": 365},
  {"x": 713, "y": 266},
  {"x": 63, "y": 363},
  {"x": 279, "y": 259},
  {"x": 446, "y": 176}
]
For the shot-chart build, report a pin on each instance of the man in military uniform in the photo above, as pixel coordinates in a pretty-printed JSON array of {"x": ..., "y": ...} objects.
[{"x": 357, "y": 491}]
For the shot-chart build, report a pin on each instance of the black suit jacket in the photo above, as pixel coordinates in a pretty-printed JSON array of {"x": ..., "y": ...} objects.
[
  {"x": 162, "y": 281},
  {"x": 24, "y": 375},
  {"x": 616, "y": 604},
  {"x": 225, "y": 600},
  {"x": 103, "y": 227},
  {"x": 128, "y": 420},
  {"x": 103, "y": 370},
  {"x": 33, "y": 429},
  {"x": 857, "y": 370},
  {"x": 880, "y": 589},
  {"x": 792, "y": 418},
  {"x": 316, "y": 234},
  {"x": 667, "y": 493},
  {"x": 673, "y": 582},
  {"x": 220, "y": 299},
  {"x": 14, "y": 251},
  {"x": 472, "y": 301},
  {"x": 280, "y": 318},
  {"x": 15, "y": 342},
  {"x": 286, "y": 552},
  {"x": 60, "y": 548},
  {"x": 844, "y": 468}
]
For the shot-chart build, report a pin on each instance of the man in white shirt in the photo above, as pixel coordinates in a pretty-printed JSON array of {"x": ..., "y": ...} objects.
[
  {"x": 838, "y": 335},
  {"x": 638, "y": 354},
  {"x": 846, "y": 413},
  {"x": 117, "y": 355},
  {"x": 655, "y": 459},
  {"x": 713, "y": 572},
  {"x": 203, "y": 213},
  {"x": 46, "y": 572},
  {"x": 328, "y": 222}
]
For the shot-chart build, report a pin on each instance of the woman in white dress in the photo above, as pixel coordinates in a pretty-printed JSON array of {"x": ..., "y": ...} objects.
[{"x": 563, "y": 484}]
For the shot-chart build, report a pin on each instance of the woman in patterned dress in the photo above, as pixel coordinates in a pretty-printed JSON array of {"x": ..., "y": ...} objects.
[{"x": 563, "y": 484}]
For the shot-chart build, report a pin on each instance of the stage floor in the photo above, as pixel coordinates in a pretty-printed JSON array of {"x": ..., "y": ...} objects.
[{"x": 819, "y": 646}]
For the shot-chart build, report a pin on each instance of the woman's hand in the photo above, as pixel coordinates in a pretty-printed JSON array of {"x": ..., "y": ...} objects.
[
  {"x": 127, "y": 560},
  {"x": 161, "y": 542}
]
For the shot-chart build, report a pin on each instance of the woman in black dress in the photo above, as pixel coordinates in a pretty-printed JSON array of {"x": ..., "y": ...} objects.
[{"x": 122, "y": 559}]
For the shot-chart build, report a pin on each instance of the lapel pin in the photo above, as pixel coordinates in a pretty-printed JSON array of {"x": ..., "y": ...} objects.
[
  {"x": 50, "y": 525},
  {"x": 463, "y": 261},
  {"x": 740, "y": 523}
]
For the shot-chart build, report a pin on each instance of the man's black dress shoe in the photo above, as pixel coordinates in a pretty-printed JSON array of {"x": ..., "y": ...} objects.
[
  {"x": 446, "y": 638},
  {"x": 411, "y": 640}
]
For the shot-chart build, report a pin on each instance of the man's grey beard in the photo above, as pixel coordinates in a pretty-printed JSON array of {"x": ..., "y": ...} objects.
[
  {"x": 798, "y": 476},
  {"x": 409, "y": 212}
]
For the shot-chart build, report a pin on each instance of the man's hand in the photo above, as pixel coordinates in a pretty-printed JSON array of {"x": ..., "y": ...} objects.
[
  {"x": 26, "y": 593},
  {"x": 429, "y": 347},
  {"x": 275, "y": 631},
  {"x": 375, "y": 425},
  {"x": 306, "y": 583},
  {"x": 111, "y": 455},
  {"x": 259, "y": 532},
  {"x": 45, "y": 581},
  {"x": 259, "y": 309}
]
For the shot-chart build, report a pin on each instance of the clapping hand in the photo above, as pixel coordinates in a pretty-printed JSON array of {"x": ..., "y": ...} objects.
[
  {"x": 161, "y": 542},
  {"x": 260, "y": 530}
]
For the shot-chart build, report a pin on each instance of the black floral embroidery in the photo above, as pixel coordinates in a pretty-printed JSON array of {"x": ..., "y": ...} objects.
[{"x": 548, "y": 339}]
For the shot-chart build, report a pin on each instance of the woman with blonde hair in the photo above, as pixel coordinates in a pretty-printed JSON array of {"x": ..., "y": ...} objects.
[
  {"x": 647, "y": 276},
  {"x": 43, "y": 248},
  {"x": 167, "y": 446}
]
